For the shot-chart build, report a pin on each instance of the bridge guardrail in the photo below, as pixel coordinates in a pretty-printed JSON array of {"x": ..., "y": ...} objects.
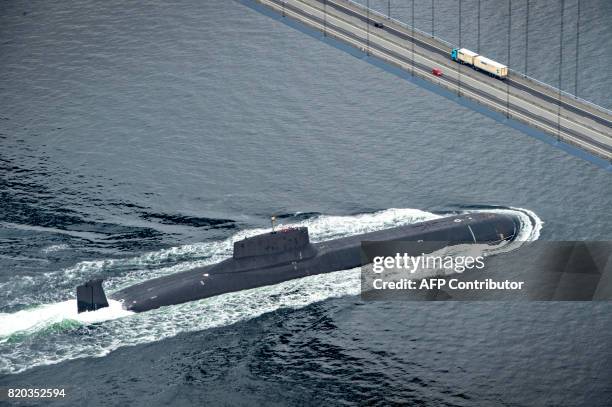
[{"x": 451, "y": 45}]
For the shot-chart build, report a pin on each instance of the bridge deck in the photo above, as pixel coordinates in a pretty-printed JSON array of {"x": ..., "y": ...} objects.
[{"x": 568, "y": 119}]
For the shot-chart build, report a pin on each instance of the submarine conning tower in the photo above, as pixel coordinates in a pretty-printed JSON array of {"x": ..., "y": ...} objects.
[{"x": 289, "y": 240}]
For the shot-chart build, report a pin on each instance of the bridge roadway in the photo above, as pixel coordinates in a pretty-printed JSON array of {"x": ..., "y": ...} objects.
[{"x": 568, "y": 119}]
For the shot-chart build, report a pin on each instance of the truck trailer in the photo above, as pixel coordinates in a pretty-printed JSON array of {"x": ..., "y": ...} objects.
[
  {"x": 492, "y": 67},
  {"x": 478, "y": 62}
]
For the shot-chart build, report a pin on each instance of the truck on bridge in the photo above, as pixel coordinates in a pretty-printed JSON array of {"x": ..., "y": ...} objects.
[{"x": 478, "y": 62}]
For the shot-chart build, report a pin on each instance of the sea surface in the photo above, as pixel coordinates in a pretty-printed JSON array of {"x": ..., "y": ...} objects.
[{"x": 142, "y": 139}]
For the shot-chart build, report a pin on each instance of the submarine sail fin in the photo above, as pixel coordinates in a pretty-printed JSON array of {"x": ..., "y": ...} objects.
[{"x": 90, "y": 296}]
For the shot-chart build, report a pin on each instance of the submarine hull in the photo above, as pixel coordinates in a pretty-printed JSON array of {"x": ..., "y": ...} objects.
[{"x": 289, "y": 255}]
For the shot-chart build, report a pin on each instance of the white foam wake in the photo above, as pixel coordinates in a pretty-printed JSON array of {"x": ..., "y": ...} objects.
[
  {"x": 43, "y": 316},
  {"x": 17, "y": 355}
]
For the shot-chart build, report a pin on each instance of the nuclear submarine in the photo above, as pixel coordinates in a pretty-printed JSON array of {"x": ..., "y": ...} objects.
[{"x": 287, "y": 254}]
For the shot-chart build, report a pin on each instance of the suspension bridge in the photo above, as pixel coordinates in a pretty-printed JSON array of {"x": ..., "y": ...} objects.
[{"x": 537, "y": 108}]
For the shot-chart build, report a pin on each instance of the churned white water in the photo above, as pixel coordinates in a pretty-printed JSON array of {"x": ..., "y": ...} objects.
[{"x": 22, "y": 333}]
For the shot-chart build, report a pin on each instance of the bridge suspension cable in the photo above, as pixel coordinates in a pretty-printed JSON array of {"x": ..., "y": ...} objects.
[
  {"x": 325, "y": 18},
  {"x": 413, "y": 38},
  {"x": 577, "y": 49},
  {"x": 508, "y": 59},
  {"x": 526, "y": 38},
  {"x": 459, "y": 64},
  {"x": 433, "y": 33},
  {"x": 478, "y": 25},
  {"x": 560, "y": 70},
  {"x": 368, "y": 28}
]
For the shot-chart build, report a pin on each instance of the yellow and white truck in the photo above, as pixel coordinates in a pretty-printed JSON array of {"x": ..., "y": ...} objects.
[{"x": 480, "y": 63}]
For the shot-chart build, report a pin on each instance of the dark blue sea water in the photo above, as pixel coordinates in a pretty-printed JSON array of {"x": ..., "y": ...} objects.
[{"x": 138, "y": 140}]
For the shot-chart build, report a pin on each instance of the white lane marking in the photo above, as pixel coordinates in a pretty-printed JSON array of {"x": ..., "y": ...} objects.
[
  {"x": 490, "y": 89},
  {"x": 553, "y": 131}
]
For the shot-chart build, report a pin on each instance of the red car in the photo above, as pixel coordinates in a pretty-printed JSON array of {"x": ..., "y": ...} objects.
[{"x": 436, "y": 71}]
